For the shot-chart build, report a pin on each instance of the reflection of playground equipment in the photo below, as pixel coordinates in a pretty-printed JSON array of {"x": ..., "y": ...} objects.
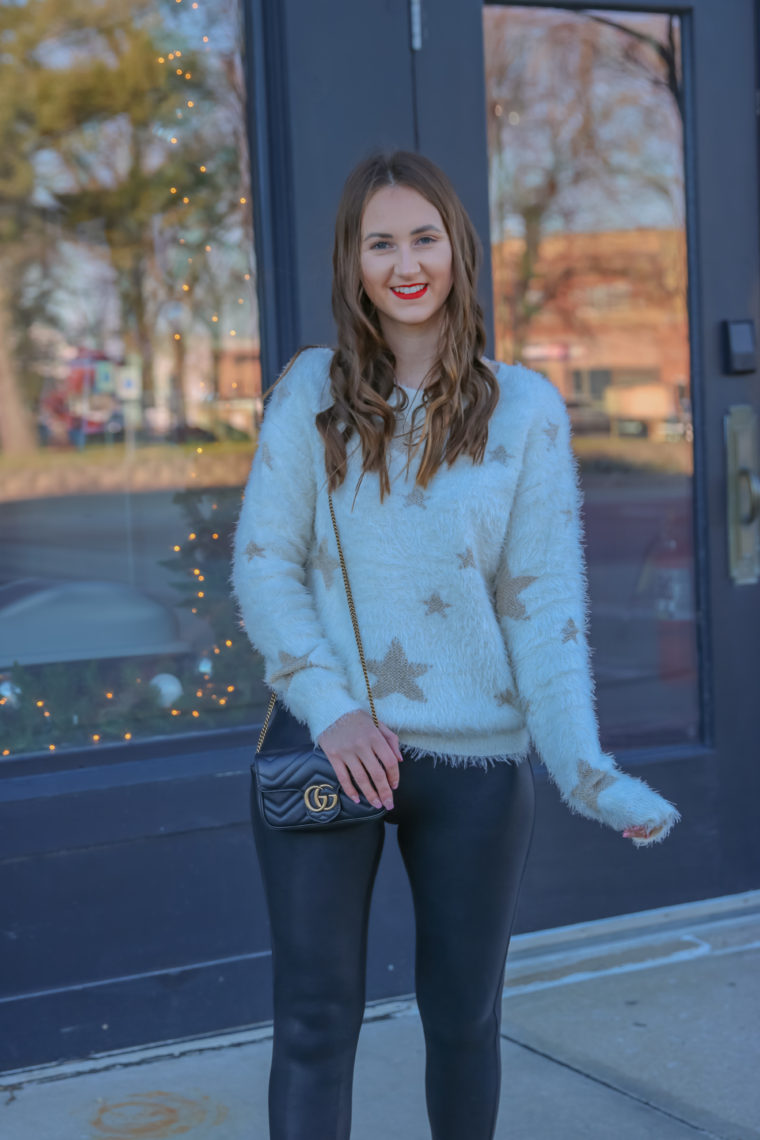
[
  {"x": 667, "y": 578},
  {"x": 82, "y": 404},
  {"x": 44, "y": 621}
]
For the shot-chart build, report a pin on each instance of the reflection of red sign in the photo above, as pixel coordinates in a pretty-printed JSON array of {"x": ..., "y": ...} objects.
[
  {"x": 546, "y": 352},
  {"x": 83, "y": 402}
]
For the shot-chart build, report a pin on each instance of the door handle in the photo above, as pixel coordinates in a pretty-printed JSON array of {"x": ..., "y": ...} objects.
[
  {"x": 749, "y": 496},
  {"x": 743, "y": 494}
]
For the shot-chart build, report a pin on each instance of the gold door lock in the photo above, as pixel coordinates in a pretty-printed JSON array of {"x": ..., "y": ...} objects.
[{"x": 743, "y": 494}]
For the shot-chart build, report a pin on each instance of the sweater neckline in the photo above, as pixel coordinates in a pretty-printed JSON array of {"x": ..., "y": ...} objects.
[{"x": 414, "y": 391}]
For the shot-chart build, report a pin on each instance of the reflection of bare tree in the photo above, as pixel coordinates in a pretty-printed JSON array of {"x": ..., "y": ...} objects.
[
  {"x": 641, "y": 45},
  {"x": 578, "y": 134}
]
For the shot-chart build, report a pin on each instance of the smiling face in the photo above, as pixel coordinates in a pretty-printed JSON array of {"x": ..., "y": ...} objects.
[{"x": 406, "y": 261}]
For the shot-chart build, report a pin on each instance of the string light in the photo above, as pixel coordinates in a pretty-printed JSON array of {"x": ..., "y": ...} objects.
[
  {"x": 109, "y": 696},
  {"x": 51, "y": 747},
  {"x": 199, "y": 450},
  {"x": 202, "y": 169},
  {"x": 96, "y": 737},
  {"x": 179, "y": 71},
  {"x": 232, "y": 332},
  {"x": 205, "y": 39},
  {"x": 243, "y": 201},
  {"x": 214, "y": 535},
  {"x": 215, "y": 318},
  {"x": 208, "y": 249},
  {"x": 196, "y": 713},
  {"x": 185, "y": 288},
  {"x": 173, "y": 140},
  {"x": 175, "y": 712},
  {"x": 39, "y": 704},
  {"x": 127, "y": 735},
  {"x": 6, "y": 752},
  {"x": 173, "y": 189},
  {"x": 176, "y": 548},
  {"x": 190, "y": 103},
  {"x": 186, "y": 200},
  {"x": 192, "y": 534},
  {"x": 177, "y": 336},
  {"x": 161, "y": 59},
  {"x": 247, "y": 276}
]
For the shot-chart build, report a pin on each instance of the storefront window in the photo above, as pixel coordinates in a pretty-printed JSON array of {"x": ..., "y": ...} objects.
[{"x": 129, "y": 370}]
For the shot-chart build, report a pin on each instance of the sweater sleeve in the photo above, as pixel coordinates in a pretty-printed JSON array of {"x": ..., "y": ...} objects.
[
  {"x": 543, "y": 608},
  {"x": 272, "y": 542}
]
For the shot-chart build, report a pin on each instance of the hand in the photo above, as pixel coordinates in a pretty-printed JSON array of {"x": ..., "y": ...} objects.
[
  {"x": 358, "y": 749},
  {"x": 639, "y": 832}
]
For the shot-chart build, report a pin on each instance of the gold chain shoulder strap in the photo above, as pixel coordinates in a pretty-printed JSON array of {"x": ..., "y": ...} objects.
[{"x": 346, "y": 583}]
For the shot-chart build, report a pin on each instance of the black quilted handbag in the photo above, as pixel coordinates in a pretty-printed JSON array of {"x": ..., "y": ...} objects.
[{"x": 295, "y": 783}]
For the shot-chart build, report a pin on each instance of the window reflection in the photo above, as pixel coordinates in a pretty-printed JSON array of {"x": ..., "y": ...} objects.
[
  {"x": 129, "y": 370},
  {"x": 585, "y": 148}
]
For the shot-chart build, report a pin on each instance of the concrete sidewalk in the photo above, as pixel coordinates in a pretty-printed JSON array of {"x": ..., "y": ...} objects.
[{"x": 641, "y": 1027}]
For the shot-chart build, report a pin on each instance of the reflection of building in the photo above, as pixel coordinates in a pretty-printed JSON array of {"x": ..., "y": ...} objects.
[
  {"x": 608, "y": 325},
  {"x": 239, "y": 375}
]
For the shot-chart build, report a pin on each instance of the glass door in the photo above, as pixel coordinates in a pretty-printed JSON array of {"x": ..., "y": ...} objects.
[
  {"x": 590, "y": 287},
  {"x": 618, "y": 204}
]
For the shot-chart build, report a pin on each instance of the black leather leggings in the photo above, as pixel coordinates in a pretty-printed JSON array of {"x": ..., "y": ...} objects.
[{"x": 464, "y": 835}]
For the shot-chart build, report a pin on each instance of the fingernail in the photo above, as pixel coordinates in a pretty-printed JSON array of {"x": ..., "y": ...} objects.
[
  {"x": 389, "y": 805},
  {"x": 376, "y": 803},
  {"x": 355, "y": 799}
]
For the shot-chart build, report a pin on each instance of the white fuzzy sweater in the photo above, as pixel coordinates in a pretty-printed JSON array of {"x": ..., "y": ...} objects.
[{"x": 471, "y": 595}]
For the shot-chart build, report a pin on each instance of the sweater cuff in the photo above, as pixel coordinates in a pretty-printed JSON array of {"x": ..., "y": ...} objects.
[
  {"x": 317, "y": 699},
  {"x": 605, "y": 793}
]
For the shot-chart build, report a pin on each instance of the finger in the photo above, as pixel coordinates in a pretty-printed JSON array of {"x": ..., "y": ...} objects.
[
  {"x": 344, "y": 779},
  {"x": 387, "y": 757},
  {"x": 377, "y": 772},
  {"x": 392, "y": 739},
  {"x": 362, "y": 780}
]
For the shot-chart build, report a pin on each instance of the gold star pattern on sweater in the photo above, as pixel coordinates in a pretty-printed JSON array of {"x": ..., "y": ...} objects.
[
  {"x": 416, "y": 498},
  {"x": 289, "y": 666},
  {"x": 591, "y": 782},
  {"x": 501, "y": 455},
  {"x": 253, "y": 550},
  {"x": 325, "y": 562},
  {"x": 507, "y": 697},
  {"x": 436, "y": 605},
  {"x": 508, "y": 588},
  {"x": 466, "y": 559},
  {"x": 551, "y": 430},
  {"x": 570, "y": 631},
  {"x": 397, "y": 674}
]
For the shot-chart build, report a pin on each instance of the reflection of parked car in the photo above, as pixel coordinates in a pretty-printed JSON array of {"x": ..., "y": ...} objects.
[
  {"x": 44, "y": 621},
  {"x": 584, "y": 417}
]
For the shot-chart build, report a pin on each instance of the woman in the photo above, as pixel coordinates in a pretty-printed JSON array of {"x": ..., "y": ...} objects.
[{"x": 458, "y": 506}]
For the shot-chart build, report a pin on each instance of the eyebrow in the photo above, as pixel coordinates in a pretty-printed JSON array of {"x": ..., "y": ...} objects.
[{"x": 419, "y": 230}]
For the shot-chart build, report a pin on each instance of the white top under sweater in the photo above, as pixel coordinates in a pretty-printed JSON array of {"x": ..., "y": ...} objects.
[{"x": 471, "y": 595}]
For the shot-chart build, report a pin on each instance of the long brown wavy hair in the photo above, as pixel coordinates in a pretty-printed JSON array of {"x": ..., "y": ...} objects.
[{"x": 462, "y": 392}]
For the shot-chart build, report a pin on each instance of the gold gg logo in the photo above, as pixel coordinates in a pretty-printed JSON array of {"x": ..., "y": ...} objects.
[{"x": 316, "y": 800}]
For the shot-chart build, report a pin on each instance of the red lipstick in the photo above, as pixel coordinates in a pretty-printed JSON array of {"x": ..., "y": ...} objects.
[{"x": 415, "y": 291}]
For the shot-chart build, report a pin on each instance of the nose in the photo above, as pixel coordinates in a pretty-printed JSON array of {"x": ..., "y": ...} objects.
[{"x": 407, "y": 261}]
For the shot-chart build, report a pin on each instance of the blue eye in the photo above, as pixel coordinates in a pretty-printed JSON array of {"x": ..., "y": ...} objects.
[{"x": 425, "y": 237}]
